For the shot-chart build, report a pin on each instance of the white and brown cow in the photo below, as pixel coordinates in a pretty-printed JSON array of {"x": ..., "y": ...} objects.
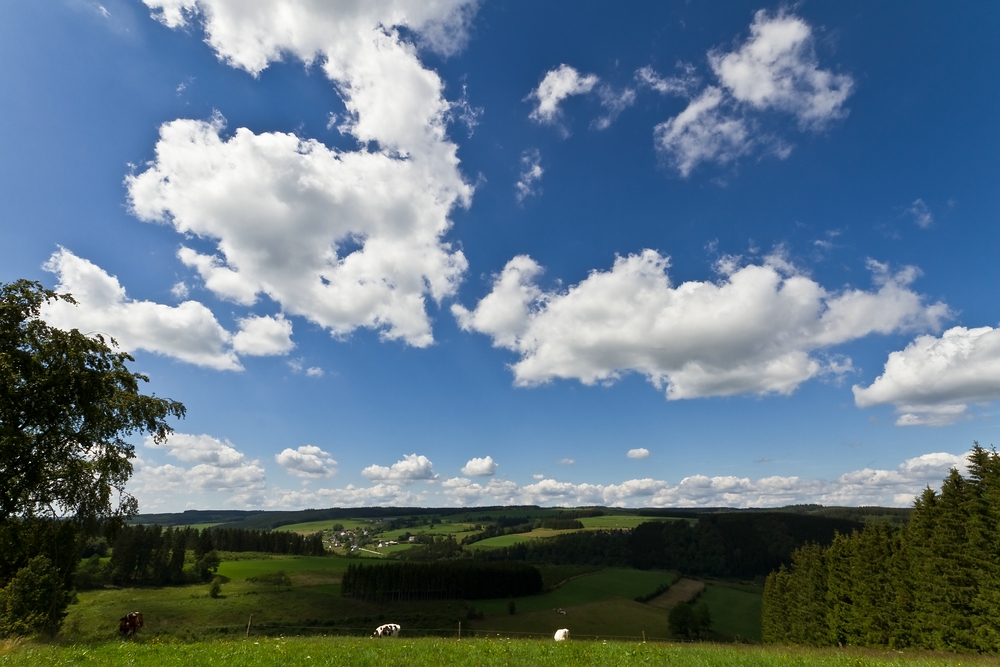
[{"x": 387, "y": 630}]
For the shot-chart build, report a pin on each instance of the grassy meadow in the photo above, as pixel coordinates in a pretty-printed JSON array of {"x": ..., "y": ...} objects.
[
  {"x": 735, "y": 610},
  {"x": 596, "y": 600},
  {"x": 433, "y": 652},
  {"x": 584, "y": 589}
]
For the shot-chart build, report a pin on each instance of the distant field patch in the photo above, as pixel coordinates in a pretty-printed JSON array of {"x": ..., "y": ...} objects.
[
  {"x": 508, "y": 540},
  {"x": 622, "y": 521},
  {"x": 553, "y": 575},
  {"x": 291, "y": 565},
  {"x": 436, "y": 529},
  {"x": 582, "y": 590},
  {"x": 310, "y": 527},
  {"x": 682, "y": 590},
  {"x": 735, "y": 610},
  {"x": 500, "y": 541}
]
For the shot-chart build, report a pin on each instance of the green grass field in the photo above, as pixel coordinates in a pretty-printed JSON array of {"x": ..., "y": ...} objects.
[
  {"x": 612, "y": 618},
  {"x": 443, "y": 528},
  {"x": 735, "y": 612},
  {"x": 582, "y": 590},
  {"x": 613, "y": 522},
  {"x": 500, "y": 541},
  {"x": 619, "y": 521},
  {"x": 434, "y": 652},
  {"x": 310, "y": 527},
  {"x": 323, "y": 567},
  {"x": 553, "y": 575}
]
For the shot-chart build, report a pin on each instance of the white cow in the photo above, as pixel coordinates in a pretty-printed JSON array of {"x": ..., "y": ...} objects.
[
  {"x": 387, "y": 630},
  {"x": 561, "y": 635}
]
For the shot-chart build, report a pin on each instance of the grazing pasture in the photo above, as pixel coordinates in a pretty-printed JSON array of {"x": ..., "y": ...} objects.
[
  {"x": 609, "y": 618},
  {"x": 581, "y": 590},
  {"x": 433, "y": 652}
]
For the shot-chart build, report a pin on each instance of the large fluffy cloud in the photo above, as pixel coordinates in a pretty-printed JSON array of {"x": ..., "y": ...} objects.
[
  {"x": 188, "y": 332},
  {"x": 218, "y": 467},
  {"x": 346, "y": 239},
  {"x": 411, "y": 469},
  {"x": 480, "y": 467},
  {"x": 755, "y": 331},
  {"x": 932, "y": 380},
  {"x": 308, "y": 461},
  {"x": 776, "y": 69}
]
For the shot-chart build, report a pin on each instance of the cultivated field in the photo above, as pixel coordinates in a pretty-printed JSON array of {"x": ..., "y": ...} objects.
[{"x": 420, "y": 652}]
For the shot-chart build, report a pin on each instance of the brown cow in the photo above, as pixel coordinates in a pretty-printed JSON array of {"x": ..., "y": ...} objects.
[{"x": 129, "y": 624}]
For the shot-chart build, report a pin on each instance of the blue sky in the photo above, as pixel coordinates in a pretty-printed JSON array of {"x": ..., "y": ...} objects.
[{"x": 565, "y": 253}]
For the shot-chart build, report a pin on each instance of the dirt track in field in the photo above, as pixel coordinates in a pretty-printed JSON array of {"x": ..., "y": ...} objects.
[{"x": 682, "y": 590}]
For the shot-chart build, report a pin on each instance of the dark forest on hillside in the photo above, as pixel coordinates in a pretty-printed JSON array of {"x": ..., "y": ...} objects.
[{"x": 741, "y": 545}]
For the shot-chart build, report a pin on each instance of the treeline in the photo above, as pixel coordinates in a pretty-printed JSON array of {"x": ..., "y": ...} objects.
[
  {"x": 932, "y": 584},
  {"x": 38, "y": 559},
  {"x": 268, "y": 541},
  {"x": 718, "y": 545},
  {"x": 896, "y": 516},
  {"x": 445, "y": 580},
  {"x": 153, "y": 555}
]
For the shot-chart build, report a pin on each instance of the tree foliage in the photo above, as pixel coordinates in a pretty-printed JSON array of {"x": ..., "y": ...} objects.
[
  {"x": 932, "y": 584},
  {"x": 68, "y": 403}
]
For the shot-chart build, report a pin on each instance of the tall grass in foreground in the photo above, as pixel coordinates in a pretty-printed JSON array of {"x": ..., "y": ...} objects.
[{"x": 359, "y": 652}]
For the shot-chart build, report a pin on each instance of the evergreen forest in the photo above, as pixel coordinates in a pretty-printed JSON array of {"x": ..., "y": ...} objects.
[{"x": 933, "y": 583}]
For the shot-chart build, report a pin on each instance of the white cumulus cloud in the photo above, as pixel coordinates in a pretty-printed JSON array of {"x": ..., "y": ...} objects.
[
  {"x": 638, "y": 453},
  {"x": 776, "y": 69},
  {"x": 411, "y": 469},
  {"x": 308, "y": 461},
  {"x": 188, "y": 331},
  {"x": 346, "y": 239},
  {"x": 531, "y": 173},
  {"x": 933, "y": 379},
  {"x": 558, "y": 84},
  {"x": 757, "y": 330},
  {"x": 480, "y": 467},
  {"x": 262, "y": 336},
  {"x": 703, "y": 132},
  {"x": 219, "y": 467}
]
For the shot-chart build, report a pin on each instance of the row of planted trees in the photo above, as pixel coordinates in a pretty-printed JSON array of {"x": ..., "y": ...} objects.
[
  {"x": 441, "y": 580},
  {"x": 932, "y": 584}
]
